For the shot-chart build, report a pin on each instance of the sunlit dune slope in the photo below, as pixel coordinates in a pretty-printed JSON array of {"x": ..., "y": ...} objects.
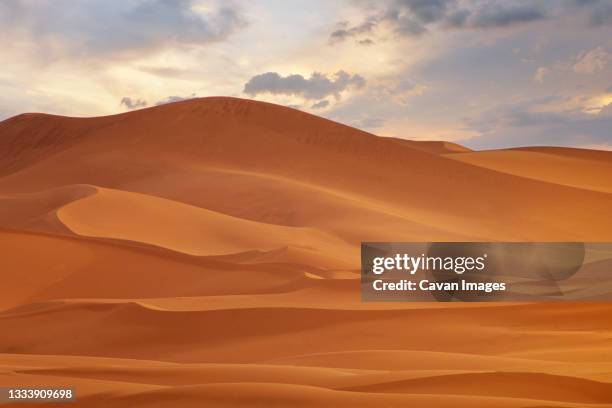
[
  {"x": 584, "y": 169},
  {"x": 186, "y": 228}
]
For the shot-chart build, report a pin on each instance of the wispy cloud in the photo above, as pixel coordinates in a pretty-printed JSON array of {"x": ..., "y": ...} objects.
[
  {"x": 131, "y": 104},
  {"x": 91, "y": 28},
  {"x": 414, "y": 17},
  {"x": 174, "y": 98},
  {"x": 524, "y": 123},
  {"x": 320, "y": 105},
  {"x": 589, "y": 62}
]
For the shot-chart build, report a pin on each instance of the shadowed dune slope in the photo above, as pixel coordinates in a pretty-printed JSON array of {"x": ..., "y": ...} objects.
[
  {"x": 42, "y": 267},
  {"x": 38, "y": 211}
]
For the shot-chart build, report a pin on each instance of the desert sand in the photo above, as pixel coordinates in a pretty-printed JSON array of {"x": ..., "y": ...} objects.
[{"x": 206, "y": 253}]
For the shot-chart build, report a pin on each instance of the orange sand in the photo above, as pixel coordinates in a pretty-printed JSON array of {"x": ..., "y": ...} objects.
[{"x": 206, "y": 253}]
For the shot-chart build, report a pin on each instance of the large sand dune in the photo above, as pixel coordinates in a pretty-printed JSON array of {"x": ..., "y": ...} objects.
[
  {"x": 206, "y": 253},
  {"x": 589, "y": 172}
]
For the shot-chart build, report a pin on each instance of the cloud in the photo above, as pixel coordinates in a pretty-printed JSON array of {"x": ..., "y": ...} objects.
[
  {"x": 344, "y": 33},
  {"x": 599, "y": 12},
  {"x": 606, "y": 111},
  {"x": 540, "y": 74},
  {"x": 133, "y": 103},
  {"x": 369, "y": 123},
  {"x": 493, "y": 15},
  {"x": 407, "y": 17},
  {"x": 416, "y": 17},
  {"x": 136, "y": 103},
  {"x": 523, "y": 124},
  {"x": 316, "y": 87},
  {"x": 396, "y": 91},
  {"x": 589, "y": 62},
  {"x": 383, "y": 104},
  {"x": 413, "y": 17},
  {"x": 354, "y": 115},
  {"x": 364, "y": 121},
  {"x": 320, "y": 105},
  {"x": 366, "y": 41},
  {"x": 165, "y": 71},
  {"x": 172, "y": 99},
  {"x": 11, "y": 9},
  {"x": 586, "y": 62},
  {"x": 102, "y": 28}
]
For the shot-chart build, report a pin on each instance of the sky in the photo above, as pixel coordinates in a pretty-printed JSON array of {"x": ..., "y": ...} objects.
[{"x": 486, "y": 74}]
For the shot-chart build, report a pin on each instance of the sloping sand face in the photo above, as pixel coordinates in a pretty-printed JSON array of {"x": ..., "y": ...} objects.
[
  {"x": 551, "y": 165},
  {"x": 188, "y": 229},
  {"x": 206, "y": 253}
]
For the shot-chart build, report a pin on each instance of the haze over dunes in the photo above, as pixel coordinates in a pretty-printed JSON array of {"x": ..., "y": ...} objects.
[{"x": 206, "y": 252}]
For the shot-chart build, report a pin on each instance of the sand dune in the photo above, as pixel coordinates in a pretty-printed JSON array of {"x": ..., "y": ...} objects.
[
  {"x": 586, "y": 170},
  {"x": 132, "y": 379},
  {"x": 434, "y": 146},
  {"x": 206, "y": 253},
  {"x": 65, "y": 267},
  {"x": 38, "y": 211},
  {"x": 264, "y": 334},
  {"x": 516, "y": 385},
  {"x": 201, "y": 137},
  {"x": 283, "y": 395},
  {"x": 188, "y": 229}
]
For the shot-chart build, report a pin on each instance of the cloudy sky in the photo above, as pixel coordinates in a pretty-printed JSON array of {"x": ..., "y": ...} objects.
[{"x": 487, "y": 74}]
